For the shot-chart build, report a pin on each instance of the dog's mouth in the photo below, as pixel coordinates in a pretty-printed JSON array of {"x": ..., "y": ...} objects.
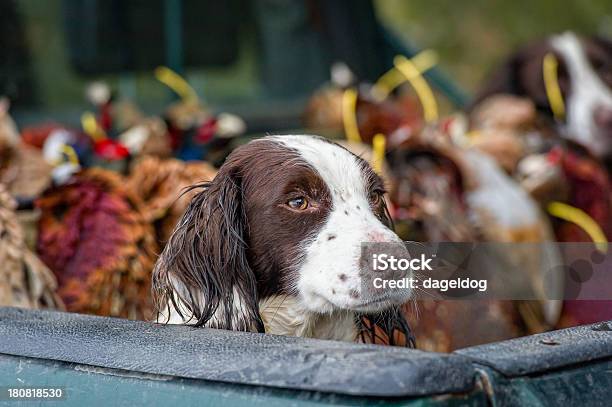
[
  {"x": 366, "y": 306},
  {"x": 380, "y": 303},
  {"x": 375, "y": 305}
]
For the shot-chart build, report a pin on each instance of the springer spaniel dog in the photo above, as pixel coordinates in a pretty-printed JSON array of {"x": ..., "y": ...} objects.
[
  {"x": 585, "y": 81},
  {"x": 273, "y": 245}
]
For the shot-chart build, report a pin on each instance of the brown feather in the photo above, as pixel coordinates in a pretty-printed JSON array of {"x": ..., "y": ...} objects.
[
  {"x": 160, "y": 184},
  {"x": 95, "y": 238},
  {"x": 24, "y": 280}
]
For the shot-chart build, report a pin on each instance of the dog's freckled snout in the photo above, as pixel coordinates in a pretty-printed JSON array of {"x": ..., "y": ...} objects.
[{"x": 375, "y": 236}]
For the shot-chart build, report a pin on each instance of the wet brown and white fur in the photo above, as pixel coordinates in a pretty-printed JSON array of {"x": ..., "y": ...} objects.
[
  {"x": 585, "y": 80},
  {"x": 273, "y": 243}
]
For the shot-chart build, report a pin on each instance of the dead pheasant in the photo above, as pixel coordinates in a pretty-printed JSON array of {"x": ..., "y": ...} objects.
[
  {"x": 139, "y": 134},
  {"x": 24, "y": 280},
  {"x": 23, "y": 170},
  {"x": 149, "y": 136},
  {"x": 581, "y": 182},
  {"x": 443, "y": 192},
  {"x": 553, "y": 171},
  {"x": 160, "y": 183},
  {"x": 325, "y": 111},
  {"x": 94, "y": 236},
  {"x": 195, "y": 132}
]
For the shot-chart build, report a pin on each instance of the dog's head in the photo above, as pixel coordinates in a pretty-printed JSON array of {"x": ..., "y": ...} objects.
[
  {"x": 286, "y": 215},
  {"x": 585, "y": 80}
]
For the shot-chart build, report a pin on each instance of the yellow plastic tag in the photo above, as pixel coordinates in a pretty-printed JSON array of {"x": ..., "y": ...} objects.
[
  {"x": 550, "y": 68},
  {"x": 71, "y": 154},
  {"x": 349, "y": 115},
  {"x": 177, "y": 83},
  {"x": 390, "y": 80},
  {"x": 583, "y": 220},
  {"x": 422, "y": 89},
  {"x": 91, "y": 127},
  {"x": 378, "y": 159}
]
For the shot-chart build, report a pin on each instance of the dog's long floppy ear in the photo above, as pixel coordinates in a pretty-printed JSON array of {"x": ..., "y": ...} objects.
[{"x": 203, "y": 275}]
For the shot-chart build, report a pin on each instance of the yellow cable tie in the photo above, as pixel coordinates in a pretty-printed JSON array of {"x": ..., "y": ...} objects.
[
  {"x": 422, "y": 89},
  {"x": 71, "y": 154},
  {"x": 551, "y": 83},
  {"x": 390, "y": 80},
  {"x": 91, "y": 127},
  {"x": 581, "y": 219},
  {"x": 176, "y": 82},
  {"x": 378, "y": 158},
  {"x": 349, "y": 115}
]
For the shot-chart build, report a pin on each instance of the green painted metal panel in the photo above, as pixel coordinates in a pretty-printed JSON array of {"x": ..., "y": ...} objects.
[
  {"x": 92, "y": 386},
  {"x": 106, "y": 361},
  {"x": 583, "y": 385}
]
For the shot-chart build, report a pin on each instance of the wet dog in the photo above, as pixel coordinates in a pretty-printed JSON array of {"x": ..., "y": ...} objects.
[{"x": 273, "y": 245}]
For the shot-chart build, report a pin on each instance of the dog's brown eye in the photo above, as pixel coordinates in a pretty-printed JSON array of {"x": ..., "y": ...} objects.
[
  {"x": 375, "y": 198},
  {"x": 299, "y": 203}
]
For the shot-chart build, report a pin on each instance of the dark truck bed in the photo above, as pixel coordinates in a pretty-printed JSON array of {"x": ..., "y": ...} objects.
[{"x": 110, "y": 361}]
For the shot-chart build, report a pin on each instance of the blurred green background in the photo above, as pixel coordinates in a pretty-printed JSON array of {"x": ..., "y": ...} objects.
[{"x": 471, "y": 37}]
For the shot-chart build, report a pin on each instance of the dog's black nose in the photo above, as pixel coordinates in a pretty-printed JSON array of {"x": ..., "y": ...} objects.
[{"x": 603, "y": 117}]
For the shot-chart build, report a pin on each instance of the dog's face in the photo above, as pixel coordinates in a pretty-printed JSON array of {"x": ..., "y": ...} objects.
[
  {"x": 585, "y": 80},
  {"x": 286, "y": 215}
]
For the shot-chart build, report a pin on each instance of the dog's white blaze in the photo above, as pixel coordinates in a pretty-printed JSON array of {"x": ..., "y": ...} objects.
[
  {"x": 587, "y": 92},
  {"x": 329, "y": 277}
]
